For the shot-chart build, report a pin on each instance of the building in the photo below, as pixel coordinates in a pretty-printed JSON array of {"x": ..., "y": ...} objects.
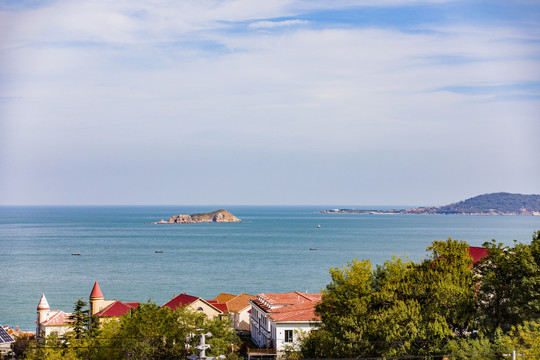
[
  {"x": 107, "y": 310},
  {"x": 58, "y": 322},
  {"x": 239, "y": 308},
  {"x": 477, "y": 253},
  {"x": 211, "y": 308},
  {"x": 5, "y": 341},
  {"x": 51, "y": 321},
  {"x": 277, "y": 319}
]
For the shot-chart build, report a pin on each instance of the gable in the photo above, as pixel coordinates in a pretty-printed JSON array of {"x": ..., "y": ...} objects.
[
  {"x": 180, "y": 301},
  {"x": 117, "y": 309}
]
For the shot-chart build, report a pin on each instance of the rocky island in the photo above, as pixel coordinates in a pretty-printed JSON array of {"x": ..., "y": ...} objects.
[
  {"x": 488, "y": 204},
  {"x": 220, "y": 216}
]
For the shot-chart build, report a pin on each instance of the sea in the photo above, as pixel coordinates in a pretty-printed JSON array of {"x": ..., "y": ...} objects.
[{"x": 274, "y": 249}]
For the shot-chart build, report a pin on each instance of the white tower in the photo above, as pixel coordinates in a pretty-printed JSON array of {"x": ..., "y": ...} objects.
[{"x": 43, "y": 313}]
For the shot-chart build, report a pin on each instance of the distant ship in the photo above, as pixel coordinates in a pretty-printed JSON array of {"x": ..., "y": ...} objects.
[
  {"x": 159, "y": 251},
  {"x": 319, "y": 226},
  {"x": 76, "y": 254}
]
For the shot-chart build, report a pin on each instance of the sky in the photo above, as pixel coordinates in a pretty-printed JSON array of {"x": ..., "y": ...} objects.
[{"x": 349, "y": 102}]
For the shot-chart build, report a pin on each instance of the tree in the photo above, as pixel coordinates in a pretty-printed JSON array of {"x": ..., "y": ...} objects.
[
  {"x": 445, "y": 285},
  {"x": 524, "y": 339},
  {"x": 51, "y": 348},
  {"x": 80, "y": 319},
  {"x": 21, "y": 344},
  {"x": 470, "y": 349},
  {"x": 399, "y": 309},
  {"x": 152, "y": 332},
  {"x": 509, "y": 285}
]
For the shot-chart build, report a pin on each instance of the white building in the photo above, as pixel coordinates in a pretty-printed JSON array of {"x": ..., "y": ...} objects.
[
  {"x": 277, "y": 319},
  {"x": 51, "y": 321}
]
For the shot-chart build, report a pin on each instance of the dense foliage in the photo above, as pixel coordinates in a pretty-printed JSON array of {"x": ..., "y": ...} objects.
[
  {"x": 441, "y": 305},
  {"x": 148, "y": 332}
]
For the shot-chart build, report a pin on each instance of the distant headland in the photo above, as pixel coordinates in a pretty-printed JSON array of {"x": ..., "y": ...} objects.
[
  {"x": 488, "y": 204},
  {"x": 220, "y": 216}
]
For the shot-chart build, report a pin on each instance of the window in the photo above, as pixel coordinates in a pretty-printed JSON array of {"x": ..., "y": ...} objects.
[
  {"x": 200, "y": 309},
  {"x": 288, "y": 336}
]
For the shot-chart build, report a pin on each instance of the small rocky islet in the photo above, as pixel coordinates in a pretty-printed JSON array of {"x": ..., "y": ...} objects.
[{"x": 218, "y": 216}]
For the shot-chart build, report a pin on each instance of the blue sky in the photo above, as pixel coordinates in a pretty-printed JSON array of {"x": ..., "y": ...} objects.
[{"x": 278, "y": 102}]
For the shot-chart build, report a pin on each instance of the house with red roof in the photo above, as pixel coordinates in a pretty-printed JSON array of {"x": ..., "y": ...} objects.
[
  {"x": 477, "y": 253},
  {"x": 106, "y": 310},
  {"x": 51, "y": 321},
  {"x": 277, "y": 319},
  {"x": 211, "y": 308}
]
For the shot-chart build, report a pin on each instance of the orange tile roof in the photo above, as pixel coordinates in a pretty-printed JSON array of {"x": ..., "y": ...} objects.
[
  {"x": 240, "y": 302},
  {"x": 298, "y": 312},
  {"x": 289, "y": 298},
  {"x": 299, "y": 315},
  {"x": 295, "y": 306},
  {"x": 224, "y": 297}
]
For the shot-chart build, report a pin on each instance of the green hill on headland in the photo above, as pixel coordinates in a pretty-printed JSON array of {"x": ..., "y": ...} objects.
[
  {"x": 503, "y": 203},
  {"x": 488, "y": 204}
]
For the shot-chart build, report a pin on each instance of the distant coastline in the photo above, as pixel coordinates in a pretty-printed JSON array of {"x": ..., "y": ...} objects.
[{"x": 487, "y": 204}]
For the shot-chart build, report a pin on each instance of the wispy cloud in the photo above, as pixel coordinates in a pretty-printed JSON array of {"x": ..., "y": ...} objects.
[
  {"x": 172, "y": 85},
  {"x": 273, "y": 24}
]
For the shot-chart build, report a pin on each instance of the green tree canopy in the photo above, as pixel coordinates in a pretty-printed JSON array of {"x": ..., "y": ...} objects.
[
  {"x": 509, "y": 285},
  {"x": 398, "y": 309}
]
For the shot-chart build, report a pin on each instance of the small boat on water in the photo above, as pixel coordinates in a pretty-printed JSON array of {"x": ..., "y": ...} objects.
[
  {"x": 76, "y": 254},
  {"x": 313, "y": 249},
  {"x": 159, "y": 251},
  {"x": 319, "y": 226}
]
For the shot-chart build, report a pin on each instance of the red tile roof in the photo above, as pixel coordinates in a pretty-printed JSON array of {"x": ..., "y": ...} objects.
[
  {"x": 96, "y": 292},
  {"x": 57, "y": 318},
  {"x": 180, "y": 301},
  {"x": 261, "y": 305},
  {"x": 117, "y": 309},
  {"x": 220, "y": 306},
  {"x": 289, "y": 298},
  {"x": 296, "y": 306},
  {"x": 477, "y": 253}
]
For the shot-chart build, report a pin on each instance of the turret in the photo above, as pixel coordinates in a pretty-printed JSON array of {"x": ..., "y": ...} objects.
[
  {"x": 96, "y": 299},
  {"x": 43, "y": 312}
]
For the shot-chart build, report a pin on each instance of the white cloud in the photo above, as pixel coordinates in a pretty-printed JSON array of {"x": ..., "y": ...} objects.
[
  {"x": 273, "y": 24},
  {"x": 98, "y": 86}
]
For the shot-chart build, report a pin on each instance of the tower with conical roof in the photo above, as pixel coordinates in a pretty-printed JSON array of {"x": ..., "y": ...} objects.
[
  {"x": 43, "y": 312},
  {"x": 97, "y": 301}
]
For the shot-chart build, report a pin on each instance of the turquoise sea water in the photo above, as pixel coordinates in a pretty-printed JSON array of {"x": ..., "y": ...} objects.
[{"x": 268, "y": 252}]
